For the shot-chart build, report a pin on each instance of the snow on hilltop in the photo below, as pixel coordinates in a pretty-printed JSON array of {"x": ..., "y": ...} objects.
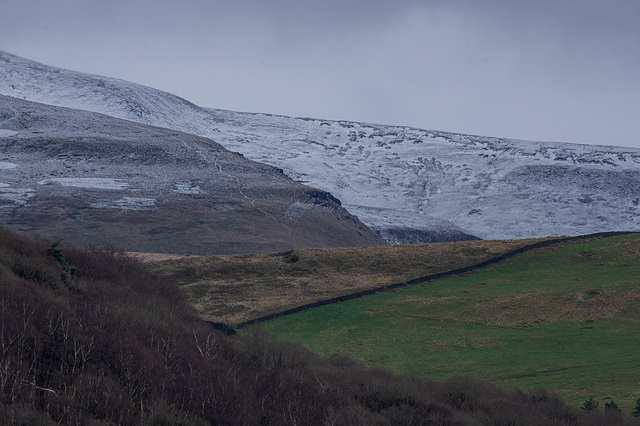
[{"x": 409, "y": 184}]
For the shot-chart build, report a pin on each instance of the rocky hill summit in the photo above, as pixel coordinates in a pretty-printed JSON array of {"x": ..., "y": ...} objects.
[
  {"x": 87, "y": 178},
  {"x": 410, "y": 185}
]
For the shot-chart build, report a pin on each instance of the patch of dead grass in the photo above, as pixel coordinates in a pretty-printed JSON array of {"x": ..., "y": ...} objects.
[
  {"x": 145, "y": 257},
  {"x": 233, "y": 289},
  {"x": 525, "y": 309}
]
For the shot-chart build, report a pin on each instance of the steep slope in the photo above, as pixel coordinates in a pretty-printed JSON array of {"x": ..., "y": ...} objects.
[
  {"x": 411, "y": 185},
  {"x": 83, "y": 177}
]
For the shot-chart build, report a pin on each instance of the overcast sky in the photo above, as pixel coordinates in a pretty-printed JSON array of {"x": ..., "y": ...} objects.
[{"x": 554, "y": 70}]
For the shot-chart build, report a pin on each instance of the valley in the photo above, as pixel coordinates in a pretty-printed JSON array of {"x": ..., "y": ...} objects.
[{"x": 478, "y": 306}]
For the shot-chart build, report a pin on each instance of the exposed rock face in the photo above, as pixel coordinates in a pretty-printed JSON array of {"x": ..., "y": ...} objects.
[{"x": 86, "y": 178}]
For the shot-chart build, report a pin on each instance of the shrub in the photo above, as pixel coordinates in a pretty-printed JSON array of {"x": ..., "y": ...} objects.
[
  {"x": 611, "y": 408},
  {"x": 590, "y": 405},
  {"x": 56, "y": 251}
]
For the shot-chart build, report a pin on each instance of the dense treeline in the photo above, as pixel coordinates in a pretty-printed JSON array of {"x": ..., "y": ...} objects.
[{"x": 90, "y": 337}]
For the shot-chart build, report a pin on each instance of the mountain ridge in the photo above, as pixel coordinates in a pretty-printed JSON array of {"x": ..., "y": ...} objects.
[{"x": 410, "y": 185}]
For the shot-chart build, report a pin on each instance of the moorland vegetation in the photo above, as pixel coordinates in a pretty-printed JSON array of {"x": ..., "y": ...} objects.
[{"x": 111, "y": 343}]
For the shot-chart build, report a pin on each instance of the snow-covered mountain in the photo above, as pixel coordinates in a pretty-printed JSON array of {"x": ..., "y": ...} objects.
[
  {"x": 86, "y": 178},
  {"x": 409, "y": 184}
]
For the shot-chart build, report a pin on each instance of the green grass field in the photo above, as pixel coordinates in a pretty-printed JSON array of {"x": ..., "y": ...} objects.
[{"x": 565, "y": 318}]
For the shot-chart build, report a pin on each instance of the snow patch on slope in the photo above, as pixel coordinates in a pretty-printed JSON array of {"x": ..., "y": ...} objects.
[
  {"x": 188, "y": 187},
  {"x": 128, "y": 203},
  {"x": 91, "y": 183},
  {"x": 17, "y": 196},
  {"x": 4, "y": 133},
  {"x": 5, "y": 165}
]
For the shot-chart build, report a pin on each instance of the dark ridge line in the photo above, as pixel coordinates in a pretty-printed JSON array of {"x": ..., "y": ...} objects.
[{"x": 420, "y": 280}]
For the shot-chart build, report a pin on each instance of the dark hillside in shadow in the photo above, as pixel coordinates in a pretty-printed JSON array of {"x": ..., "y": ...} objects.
[{"x": 91, "y": 337}]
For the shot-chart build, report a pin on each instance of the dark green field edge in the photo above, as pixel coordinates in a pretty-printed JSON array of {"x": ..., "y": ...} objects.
[{"x": 229, "y": 330}]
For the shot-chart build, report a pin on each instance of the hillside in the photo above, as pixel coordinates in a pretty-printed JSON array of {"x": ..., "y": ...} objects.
[
  {"x": 409, "y": 184},
  {"x": 562, "y": 317},
  {"x": 86, "y": 178},
  {"x": 90, "y": 337},
  {"x": 236, "y": 289}
]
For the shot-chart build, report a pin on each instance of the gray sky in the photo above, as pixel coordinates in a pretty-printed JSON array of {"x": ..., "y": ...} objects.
[{"x": 554, "y": 70}]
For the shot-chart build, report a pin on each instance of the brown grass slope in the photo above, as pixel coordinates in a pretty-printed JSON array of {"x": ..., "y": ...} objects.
[{"x": 235, "y": 289}]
